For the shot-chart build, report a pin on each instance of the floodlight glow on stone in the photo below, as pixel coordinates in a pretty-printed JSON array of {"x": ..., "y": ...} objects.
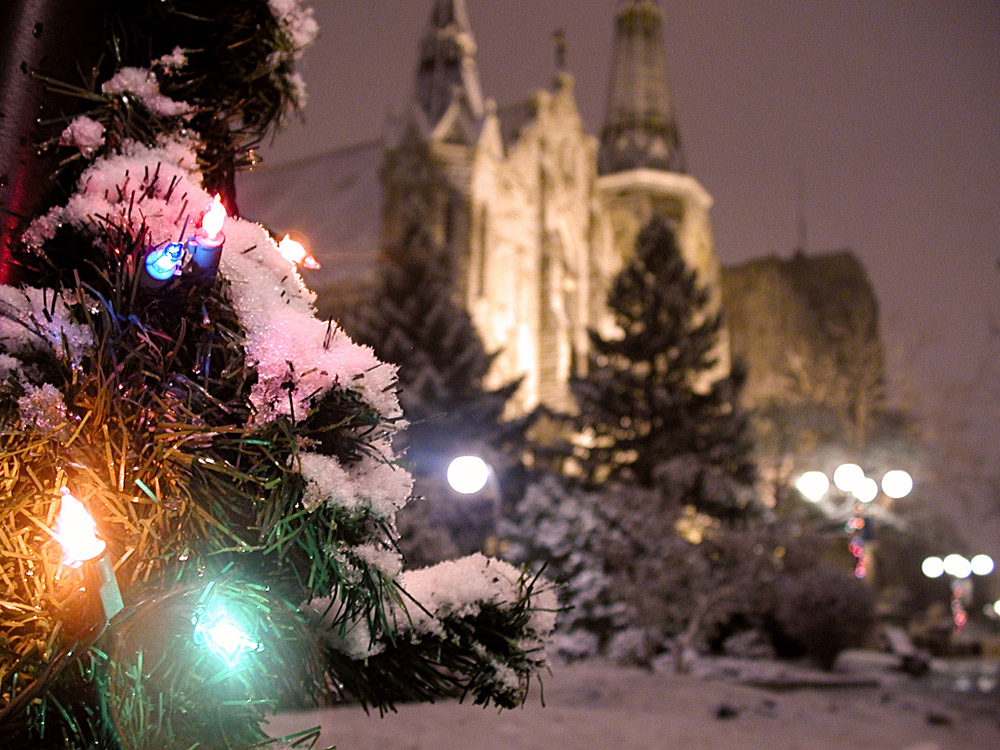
[
  {"x": 865, "y": 490},
  {"x": 468, "y": 474},
  {"x": 813, "y": 485},
  {"x": 932, "y": 567},
  {"x": 982, "y": 565},
  {"x": 846, "y": 476},
  {"x": 957, "y": 566},
  {"x": 897, "y": 483},
  {"x": 76, "y": 531}
]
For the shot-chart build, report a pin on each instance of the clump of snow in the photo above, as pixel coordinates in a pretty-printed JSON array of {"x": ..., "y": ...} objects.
[
  {"x": 449, "y": 591},
  {"x": 298, "y": 85},
  {"x": 34, "y": 319},
  {"x": 84, "y": 133},
  {"x": 156, "y": 186},
  {"x": 371, "y": 484},
  {"x": 462, "y": 587},
  {"x": 42, "y": 406},
  {"x": 298, "y": 22},
  {"x": 298, "y": 357},
  {"x": 176, "y": 59},
  {"x": 142, "y": 84},
  {"x": 387, "y": 561}
]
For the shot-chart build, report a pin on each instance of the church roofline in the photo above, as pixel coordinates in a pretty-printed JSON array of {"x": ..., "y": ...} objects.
[{"x": 657, "y": 180}]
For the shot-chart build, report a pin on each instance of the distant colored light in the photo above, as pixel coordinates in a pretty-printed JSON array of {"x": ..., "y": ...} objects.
[
  {"x": 996, "y": 606},
  {"x": 846, "y": 476},
  {"x": 957, "y": 566},
  {"x": 865, "y": 490},
  {"x": 76, "y": 531},
  {"x": 813, "y": 485},
  {"x": 897, "y": 483},
  {"x": 468, "y": 474},
  {"x": 932, "y": 567},
  {"x": 982, "y": 565}
]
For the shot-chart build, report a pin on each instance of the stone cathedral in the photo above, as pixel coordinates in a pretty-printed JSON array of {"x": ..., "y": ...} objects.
[{"x": 538, "y": 215}]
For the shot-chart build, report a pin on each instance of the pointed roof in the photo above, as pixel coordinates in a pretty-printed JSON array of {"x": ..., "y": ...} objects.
[
  {"x": 446, "y": 69},
  {"x": 640, "y": 129}
]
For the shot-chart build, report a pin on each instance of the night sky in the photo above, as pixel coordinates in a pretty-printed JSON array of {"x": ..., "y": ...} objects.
[{"x": 884, "y": 115}]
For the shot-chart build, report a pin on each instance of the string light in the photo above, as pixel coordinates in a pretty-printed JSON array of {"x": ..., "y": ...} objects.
[
  {"x": 206, "y": 245},
  {"x": 295, "y": 252},
  {"x": 162, "y": 264},
  {"x": 76, "y": 531}
]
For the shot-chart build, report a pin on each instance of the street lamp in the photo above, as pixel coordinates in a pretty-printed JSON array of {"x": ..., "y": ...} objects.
[
  {"x": 468, "y": 475},
  {"x": 850, "y": 479},
  {"x": 960, "y": 570}
]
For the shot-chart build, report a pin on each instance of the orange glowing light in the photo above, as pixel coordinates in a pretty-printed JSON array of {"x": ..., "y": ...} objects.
[
  {"x": 215, "y": 216},
  {"x": 294, "y": 252},
  {"x": 76, "y": 532}
]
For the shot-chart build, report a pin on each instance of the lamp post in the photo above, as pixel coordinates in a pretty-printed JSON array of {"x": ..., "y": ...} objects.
[
  {"x": 469, "y": 475},
  {"x": 960, "y": 571},
  {"x": 860, "y": 491}
]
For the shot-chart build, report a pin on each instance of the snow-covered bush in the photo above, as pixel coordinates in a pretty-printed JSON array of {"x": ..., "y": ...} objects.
[
  {"x": 825, "y": 609},
  {"x": 563, "y": 530}
]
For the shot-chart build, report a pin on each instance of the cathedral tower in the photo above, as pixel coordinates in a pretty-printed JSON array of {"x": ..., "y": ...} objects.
[{"x": 641, "y": 165}]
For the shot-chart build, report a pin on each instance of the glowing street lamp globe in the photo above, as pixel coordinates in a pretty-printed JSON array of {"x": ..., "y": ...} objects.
[
  {"x": 813, "y": 485},
  {"x": 981, "y": 565},
  {"x": 932, "y": 567},
  {"x": 897, "y": 483},
  {"x": 865, "y": 490},
  {"x": 847, "y": 476},
  {"x": 957, "y": 566},
  {"x": 467, "y": 475}
]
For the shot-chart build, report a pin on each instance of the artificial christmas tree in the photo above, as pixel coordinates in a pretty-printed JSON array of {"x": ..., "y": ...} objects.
[
  {"x": 414, "y": 323},
  {"x": 652, "y": 410},
  {"x": 229, "y": 455}
]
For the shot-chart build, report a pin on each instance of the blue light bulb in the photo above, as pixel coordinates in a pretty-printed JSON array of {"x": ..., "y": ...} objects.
[{"x": 165, "y": 263}]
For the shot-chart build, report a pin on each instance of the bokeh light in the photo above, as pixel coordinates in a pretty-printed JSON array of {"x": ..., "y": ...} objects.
[
  {"x": 957, "y": 566},
  {"x": 865, "y": 489},
  {"x": 813, "y": 485},
  {"x": 897, "y": 483},
  {"x": 981, "y": 565},
  {"x": 932, "y": 567},
  {"x": 468, "y": 474},
  {"x": 846, "y": 476}
]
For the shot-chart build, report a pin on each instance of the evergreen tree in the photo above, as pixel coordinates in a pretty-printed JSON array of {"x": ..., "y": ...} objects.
[
  {"x": 167, "y": 390},
  {"x": 649, "y": 406},
  {"x": 414, "y": 322}
]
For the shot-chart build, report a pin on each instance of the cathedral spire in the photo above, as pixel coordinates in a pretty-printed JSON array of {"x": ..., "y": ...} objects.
[
  {"x": 640, "y": 129},
  {"x": 447, "y": 65}
]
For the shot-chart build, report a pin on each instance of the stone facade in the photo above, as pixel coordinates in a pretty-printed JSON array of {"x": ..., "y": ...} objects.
[{"x": 539, "y": 215}]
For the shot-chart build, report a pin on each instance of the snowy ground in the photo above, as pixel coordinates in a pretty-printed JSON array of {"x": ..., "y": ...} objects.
[{"x": 727, "y": 705}]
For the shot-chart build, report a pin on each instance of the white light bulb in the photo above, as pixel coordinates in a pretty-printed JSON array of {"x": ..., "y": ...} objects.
[
  {"x": 897, "y": 483},
  {"x": 865, "y": 490},
  {"x": 932, "y": 567},
  {"x": 468, "y": 474},
  {"x": 813, "y": 485},
  {"x": 982, "y": 565},
  {"x": 846, "y": 476},
  {"x": 957, "y": 566}
]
